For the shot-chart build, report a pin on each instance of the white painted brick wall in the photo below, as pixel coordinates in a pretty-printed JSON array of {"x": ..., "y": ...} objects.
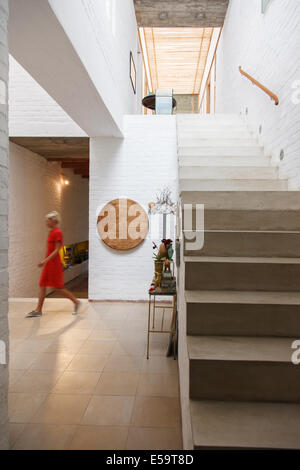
[
  {"x": 35, "y": 189},
  {"x": 32, "y": 112},
  {"x": 136, "y": 167},
  {"x": 267, "y": 47},
  {"x": 3, "y": 221}
]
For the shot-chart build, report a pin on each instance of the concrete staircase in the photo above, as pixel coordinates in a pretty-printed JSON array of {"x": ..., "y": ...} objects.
[{"x": 239, "y": 296}]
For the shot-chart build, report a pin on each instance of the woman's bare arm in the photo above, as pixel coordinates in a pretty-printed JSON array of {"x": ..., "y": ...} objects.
[{"x": 53, "y": 254}]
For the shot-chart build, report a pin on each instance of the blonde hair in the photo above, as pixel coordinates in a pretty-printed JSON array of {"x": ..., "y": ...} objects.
[{"x": 53, "y": 216}]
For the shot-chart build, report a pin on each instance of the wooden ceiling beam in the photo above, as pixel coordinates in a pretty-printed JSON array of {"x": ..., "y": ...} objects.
[
  {"x": 77, "y": 165},
  {"x": 68, "y": 160}
]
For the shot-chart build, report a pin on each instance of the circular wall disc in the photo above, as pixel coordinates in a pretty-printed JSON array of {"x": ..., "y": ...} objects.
[{"x": 122, "y": 224}]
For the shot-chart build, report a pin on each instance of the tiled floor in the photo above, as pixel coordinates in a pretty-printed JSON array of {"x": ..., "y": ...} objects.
[{"x": 85, "y": 383}]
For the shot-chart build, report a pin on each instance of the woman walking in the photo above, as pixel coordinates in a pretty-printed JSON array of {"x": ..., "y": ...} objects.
[{"x": 52, "y": 274}]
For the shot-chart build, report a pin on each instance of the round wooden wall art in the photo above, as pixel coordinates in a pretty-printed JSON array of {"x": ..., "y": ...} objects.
[{"x": 122, "y": 224}]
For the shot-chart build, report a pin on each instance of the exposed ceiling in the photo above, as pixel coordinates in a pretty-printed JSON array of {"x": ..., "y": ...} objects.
[
  {"x": 177, "y": 57},
  {"x": 72, "y": 152},
  {"x": 181, "y": 13}
]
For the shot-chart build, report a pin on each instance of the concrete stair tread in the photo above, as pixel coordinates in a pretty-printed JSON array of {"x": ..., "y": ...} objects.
[
  {"x": 213, "y": 152},
  {"x": 225, "y": 161},
  {"x": 232, "y": 185},
  {"x": 252, "y": 425},
  {"x": 242, "y": 200},
  {"x": 243, "y": 297},
  {"x": 228, "y": 172},
  {"x": 219, "y": 142},
  {"x": 234, "y": 259},
  {"x": 240, "y": 348}
]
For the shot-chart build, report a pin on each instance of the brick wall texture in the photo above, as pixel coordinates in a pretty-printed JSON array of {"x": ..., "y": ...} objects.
[{"x": 3, "y": 224}]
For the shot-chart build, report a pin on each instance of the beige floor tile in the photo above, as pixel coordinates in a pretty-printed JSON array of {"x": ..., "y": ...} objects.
[
  {"x": 14, "y": 343},
  {"x": 109, "y": 324},
  {"x": 15, "y": 375},
  {"x": 98, "y": 307},
  {"x": 159, "y": 348},
  {"x": 93, "y": 362},
  {"x": 156, "y": 412},
  {"x": 109, "y": 411},
  {"x": 117, "y": 383},
  {"x": 99, "y": 438},
  {"x": 103, "y": 347},
  {"x": 162, "y": 338},
  {"x": 97, "y": 334},
  {"x": 128, "y": 335},
  {"x": 88, "y": 362},
  {"x": 51, "y": 361},
  {"x": 15, "y": 430},
  {"x": 129, "y": 348},
  {"x": 21, "y": 334},
  {"x": 67, "y": 346},
  {"x": 34, "y": 345},
  {"x": 62, "y": 323},
  {"x": 20, "y": 307},
  {"x": 52, "y": 330},
  {"x": 45, "y": 437},
  {"x": 76, "y": 334},
  {"x": 136, "y": 325},
  {"x": 22, "y": 361},
  {"x": 84, "y": 323},
  {"x": 119, "y": 308},
  {"x": 123, "y": 364},
  {"x": 114, "y": 316},
  {"x": 137, "y": 314},
  {"x": 160, "y": 365},
  {"x": 62, "y": 409},
  {"x": 77, "y": 382},
  {"x": 22, "y": 406},
  {"x": 36, "y": 381},
  {"x": 159, "y": 385},
  {"x": 140, "y": 438}
]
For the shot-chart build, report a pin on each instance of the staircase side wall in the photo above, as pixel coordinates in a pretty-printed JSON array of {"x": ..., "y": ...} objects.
[{"x": 267, "y": 47}]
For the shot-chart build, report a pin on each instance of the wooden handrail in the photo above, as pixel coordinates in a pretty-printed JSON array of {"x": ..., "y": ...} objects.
[{"x": 259, "y": 85}]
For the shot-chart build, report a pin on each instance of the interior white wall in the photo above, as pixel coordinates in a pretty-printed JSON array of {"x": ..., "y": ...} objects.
[
  {"x": 136, "y": 167},
  {"x": 32, "y": 112},
  {"x": 41, "y": 44},
  {"x": 267, "y": 47},
  {"x": 35, "y": 189},
  {"x": 103, "y": 32}
]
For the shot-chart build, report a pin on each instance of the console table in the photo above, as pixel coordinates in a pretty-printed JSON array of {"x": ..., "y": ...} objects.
[{"x": 153, "y": 306}]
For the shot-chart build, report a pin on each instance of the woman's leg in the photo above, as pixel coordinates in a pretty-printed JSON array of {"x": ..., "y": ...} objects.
[
  {"x": 41, "y": 299},
  {"x": 68, "y": 295}
]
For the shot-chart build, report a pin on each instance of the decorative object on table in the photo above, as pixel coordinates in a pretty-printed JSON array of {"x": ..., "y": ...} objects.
[
  {"x": 149, "y": 101},
  {"x": 163, "y": 205},
  {"x": 168, "y": 275},
  {"x": 122, "y": 224},
  {"x": 163, "y": 258},
  {"x": 158, "y": 266},
  {"x": 132, "y": 73}
]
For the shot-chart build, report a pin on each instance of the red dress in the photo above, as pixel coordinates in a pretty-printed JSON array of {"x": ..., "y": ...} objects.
[{"x": 52, "y": 274}]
